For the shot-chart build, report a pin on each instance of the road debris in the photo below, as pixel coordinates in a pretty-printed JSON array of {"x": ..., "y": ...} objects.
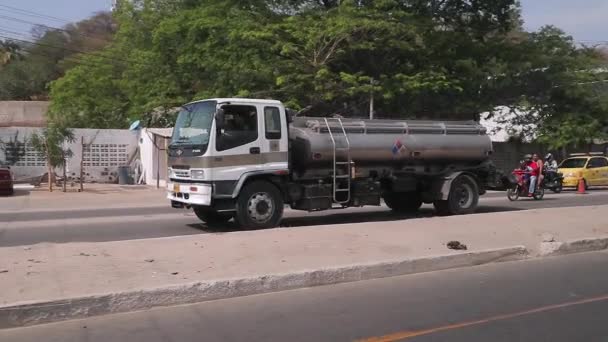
[
  {"x": 174, "y": 273},
  {"x": 456, "y": 245},
  {"x": 548, "y": 237},
  {"x": 3, "y": 271},
  {"x": 149, "y": 260}
]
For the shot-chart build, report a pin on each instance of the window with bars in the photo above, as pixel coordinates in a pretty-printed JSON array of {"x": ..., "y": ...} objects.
[
  {"x": 30, "y": 156},
  {"x": 105, "y": 155}
]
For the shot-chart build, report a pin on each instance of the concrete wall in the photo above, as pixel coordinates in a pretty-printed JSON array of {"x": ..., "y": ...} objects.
[
  {"x": 108, "y": 150},
  {"x": 23, "y": 113}
]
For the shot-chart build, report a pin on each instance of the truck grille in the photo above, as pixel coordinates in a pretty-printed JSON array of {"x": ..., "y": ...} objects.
[{"x": 182, "y": 173}]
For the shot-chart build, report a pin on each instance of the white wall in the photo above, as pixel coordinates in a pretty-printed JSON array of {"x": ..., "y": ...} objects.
[
  {"x": 154, "y": 155},
  {"x": 109, "y": 150}
]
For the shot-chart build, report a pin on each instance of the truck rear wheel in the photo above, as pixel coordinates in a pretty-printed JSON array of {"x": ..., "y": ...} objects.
[
  {"x": 403, "y": 202},
  {"x": 211, "y": 217},
  {"x": 463, "y": 197},
  {"x": 259, "y": 206}
]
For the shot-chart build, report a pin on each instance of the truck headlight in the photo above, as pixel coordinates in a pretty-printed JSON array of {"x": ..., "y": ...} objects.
[{"x": 197, "y": 174}]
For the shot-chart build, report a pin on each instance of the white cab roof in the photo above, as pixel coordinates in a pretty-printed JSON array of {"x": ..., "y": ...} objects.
[{"x": 242, "y": 100}]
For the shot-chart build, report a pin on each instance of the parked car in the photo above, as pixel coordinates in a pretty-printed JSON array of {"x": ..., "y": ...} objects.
[
  {"x": 6, "y": 181},
  {"x": 591, "y": 168}
]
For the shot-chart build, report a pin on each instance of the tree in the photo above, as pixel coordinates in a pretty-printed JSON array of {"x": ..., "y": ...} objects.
[
  {"x": 438, "y": 59},
  {"x": 9, "y": 52},
  {"x": 51, "y": 143},
  {"x": 27, "y": 66}
]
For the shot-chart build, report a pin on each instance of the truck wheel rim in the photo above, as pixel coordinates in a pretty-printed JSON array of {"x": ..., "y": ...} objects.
[
  {"x": 260, "y": 207},
  {"x": 465, "y": 198}
]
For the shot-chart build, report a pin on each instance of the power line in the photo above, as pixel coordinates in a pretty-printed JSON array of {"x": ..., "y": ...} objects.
[
  {"x": 8, "y": 30},
  {"x": 21, "y": 11},
  {"x": 52, "y": 28},
  {"x": 66, "y": 49}
]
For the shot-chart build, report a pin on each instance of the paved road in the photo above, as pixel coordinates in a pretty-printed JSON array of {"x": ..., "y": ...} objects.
[
  {"x": 556, "y": 299},
  {"x": 18, "y": 229}
]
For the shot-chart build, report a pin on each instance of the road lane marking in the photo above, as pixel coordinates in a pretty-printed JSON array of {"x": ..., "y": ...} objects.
[{"x": 404, "y": 335}]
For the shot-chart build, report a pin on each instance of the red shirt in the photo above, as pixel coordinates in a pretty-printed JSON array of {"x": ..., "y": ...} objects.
[{"x": 535, "y": 168}]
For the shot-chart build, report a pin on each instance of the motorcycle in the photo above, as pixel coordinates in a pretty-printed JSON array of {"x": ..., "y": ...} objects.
[
  {"x": 520, "y": 187},
  {"x": 554, "y": 181}
]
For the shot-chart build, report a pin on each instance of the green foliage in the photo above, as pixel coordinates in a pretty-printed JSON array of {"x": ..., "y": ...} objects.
[
  {"x": 450, "y": 59},
  {"x": 51, "y": 143},
  {"x": 26, "y": 68}
]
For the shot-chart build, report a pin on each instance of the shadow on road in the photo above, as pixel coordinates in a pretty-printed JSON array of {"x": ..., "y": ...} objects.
[
  {"x": 17, "y": 193},
  {"x": 348, "y": 218}
]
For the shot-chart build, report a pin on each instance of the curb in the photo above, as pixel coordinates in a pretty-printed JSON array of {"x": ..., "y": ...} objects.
[
  {"x": 548, "y": 249},
  {"x": 23, "y": 314}
]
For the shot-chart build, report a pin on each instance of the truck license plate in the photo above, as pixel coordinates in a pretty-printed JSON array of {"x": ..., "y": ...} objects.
[{"x": 175, "y": 187}]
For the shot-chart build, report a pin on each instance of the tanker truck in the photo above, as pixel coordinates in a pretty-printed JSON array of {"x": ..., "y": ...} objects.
[{"x": 246, "y": 159}]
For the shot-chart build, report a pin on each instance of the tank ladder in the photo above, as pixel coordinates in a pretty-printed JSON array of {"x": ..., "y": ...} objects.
[{"x": 342, "y": 171}]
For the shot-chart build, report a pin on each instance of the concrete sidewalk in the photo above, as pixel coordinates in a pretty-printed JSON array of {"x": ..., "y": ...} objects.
[
  {"x": 95, "y": 196},
  {"x": 49, "y": 282}
]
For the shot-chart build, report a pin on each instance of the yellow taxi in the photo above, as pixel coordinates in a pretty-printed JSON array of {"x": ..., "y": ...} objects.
[{"x": 592, "y": 168}]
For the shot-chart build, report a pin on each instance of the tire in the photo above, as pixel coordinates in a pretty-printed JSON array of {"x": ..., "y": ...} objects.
[
  {"x": 558, "y": 189},
  {"x": 259, "y": 206},
  {"x": 539, "y": 194},
  {"x": 211, "y": 217},
  {"x": 513, "y": 194},
  {"x": 403, "y": 202},
  {"x": 463, "y": 198}
]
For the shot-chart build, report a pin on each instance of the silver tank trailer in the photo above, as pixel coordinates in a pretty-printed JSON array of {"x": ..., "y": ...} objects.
[{"x": 384, "y": 142}]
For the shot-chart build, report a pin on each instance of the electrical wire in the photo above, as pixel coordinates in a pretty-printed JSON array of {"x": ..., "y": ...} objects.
[
  {"x": 21, "y": 11},
  {"x": 52, "y": 28},
  {"x": 66, "y": 49}
]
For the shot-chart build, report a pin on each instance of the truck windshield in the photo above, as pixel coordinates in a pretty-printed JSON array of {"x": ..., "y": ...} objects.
[{"x": 194, "y": 124}]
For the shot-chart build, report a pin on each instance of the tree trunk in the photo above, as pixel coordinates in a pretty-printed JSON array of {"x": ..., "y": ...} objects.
[
  {"x": 82, "y": 164},
  {"x": 49, "y": 166},
  {"x": 65, "y": 178}
]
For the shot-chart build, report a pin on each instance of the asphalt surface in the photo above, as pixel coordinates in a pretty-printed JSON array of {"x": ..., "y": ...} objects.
[
  {"x": 553, "y": 299},
  {"x": 18, "y": 229}
]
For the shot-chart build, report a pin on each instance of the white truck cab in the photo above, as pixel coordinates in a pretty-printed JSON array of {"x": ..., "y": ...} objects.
[{"x": 218, "y": 143}]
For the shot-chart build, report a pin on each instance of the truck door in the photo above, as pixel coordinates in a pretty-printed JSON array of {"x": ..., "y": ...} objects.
[
  {"x": 237, "y": 144},
  {"x": 275, "y": 139}
]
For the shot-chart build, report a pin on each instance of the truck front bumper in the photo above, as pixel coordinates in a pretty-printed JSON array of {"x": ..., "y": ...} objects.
[{"x": 190, "y": 194}]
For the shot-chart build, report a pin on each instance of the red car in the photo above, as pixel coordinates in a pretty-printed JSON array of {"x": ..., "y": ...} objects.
[{"x": 6, "y": 181}]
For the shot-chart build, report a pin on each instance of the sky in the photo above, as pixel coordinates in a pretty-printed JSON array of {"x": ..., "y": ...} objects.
[{"x": 585, "y": 20}]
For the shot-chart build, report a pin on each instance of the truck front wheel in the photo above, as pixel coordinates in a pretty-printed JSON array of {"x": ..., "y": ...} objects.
[
  {"x": 463, "y": 197},
  {"x": 259, "y": 206},
  {"x": 211, "y": 217},
  {"x": 403, "y": 202}
]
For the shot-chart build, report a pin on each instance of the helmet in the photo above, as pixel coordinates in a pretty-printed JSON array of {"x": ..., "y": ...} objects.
[
  {"x": 527, "y": 157},
  {"x": 549, "y": 156}
]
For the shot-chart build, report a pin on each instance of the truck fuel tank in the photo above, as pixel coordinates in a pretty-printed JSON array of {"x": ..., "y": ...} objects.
[{"x": 383, "y": 142}]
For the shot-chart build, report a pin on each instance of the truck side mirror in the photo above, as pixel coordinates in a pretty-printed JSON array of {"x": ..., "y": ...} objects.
[{"x": 220, "y": 119}]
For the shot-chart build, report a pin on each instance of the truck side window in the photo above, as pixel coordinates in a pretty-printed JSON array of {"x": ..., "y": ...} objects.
[
  {"x": 240, "y": 127},
  {"x": 272, "y": 119}
]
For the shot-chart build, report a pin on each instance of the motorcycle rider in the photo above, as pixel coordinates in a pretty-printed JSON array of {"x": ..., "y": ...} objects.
[
  {"x": 550, "y": 163},
  {"x": 534, "y": 169},
  {"x": 541, "y": 170}
]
